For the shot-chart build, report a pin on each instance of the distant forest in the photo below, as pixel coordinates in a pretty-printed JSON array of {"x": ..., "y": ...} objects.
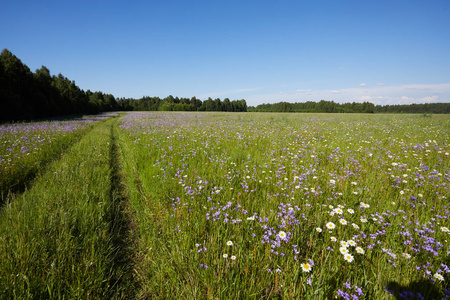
[
  {"x": 354, "y": 107},
  {"x": 171, "y": 103},
  {"x": 25, "y": 95}
]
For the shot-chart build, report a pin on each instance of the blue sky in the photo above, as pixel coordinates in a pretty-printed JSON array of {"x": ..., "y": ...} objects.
[{"x": 385, "y": 52}]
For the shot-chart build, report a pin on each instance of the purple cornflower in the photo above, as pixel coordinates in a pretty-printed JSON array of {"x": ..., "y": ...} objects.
[
  {"x": 343, "y": 294},
  {"x": 358, "y": 290},
  {"x": 389, "y": 290}
]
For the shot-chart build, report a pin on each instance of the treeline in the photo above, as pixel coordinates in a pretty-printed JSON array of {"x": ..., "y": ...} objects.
[
  {"x": 171, "y": 103},
  {"x": 354, "y": 107},
  {"x": 319, "y": 107},
  {"x": 426, "y": 108},
  {"x": 25, "y": 95}
]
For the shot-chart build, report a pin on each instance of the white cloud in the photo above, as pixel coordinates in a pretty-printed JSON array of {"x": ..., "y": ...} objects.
[
  {"x": 304, "y": 91},
  {"x": 406, "y": 100},
  {"x": 379, "y": 94},
  {"x": 430, "y": 99},
  {"x": 372, "y": 99},
  {"x": 362, "y": 84},
  {"x": 363, "y": 99}
]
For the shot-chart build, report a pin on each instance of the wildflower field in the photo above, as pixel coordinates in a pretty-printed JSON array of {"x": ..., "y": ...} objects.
[{"x": 155, "y": 205}]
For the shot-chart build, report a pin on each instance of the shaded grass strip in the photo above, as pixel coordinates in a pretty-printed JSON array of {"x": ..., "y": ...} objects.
[{"x": 122, "y": 229}]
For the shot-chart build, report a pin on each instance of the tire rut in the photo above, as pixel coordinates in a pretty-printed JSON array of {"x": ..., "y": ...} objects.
[{"x": 123, "y": 285}]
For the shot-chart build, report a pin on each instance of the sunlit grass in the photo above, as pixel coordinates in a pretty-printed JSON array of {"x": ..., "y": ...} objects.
[
  {"x": 25, "y": 149},
  {"x": 270, "y": 184},
  {"x": 58, "y": 239},
  {"x": 235, "y": 206}
]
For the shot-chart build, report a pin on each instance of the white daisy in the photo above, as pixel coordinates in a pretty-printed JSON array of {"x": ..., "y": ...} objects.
[
  {"x": 348, "y": 257},
  {"x": 343, "y": 250},
  {"x": 439, "y": 277},
  {"x": 351, "y": 243},
  {"x": 330, "y": 225},
  {"x": 344, "y": 244},
  {"x": 364, "y": 205},
  {"x": 338, "y": 210},
  {"x": 306, "y": 267}
]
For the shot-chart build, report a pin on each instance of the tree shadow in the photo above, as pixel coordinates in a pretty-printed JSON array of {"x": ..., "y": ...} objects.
[{"x": 421, "y": 289}]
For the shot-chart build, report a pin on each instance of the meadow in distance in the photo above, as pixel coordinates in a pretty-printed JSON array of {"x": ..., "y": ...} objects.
[{"x": 215, "y": 205}]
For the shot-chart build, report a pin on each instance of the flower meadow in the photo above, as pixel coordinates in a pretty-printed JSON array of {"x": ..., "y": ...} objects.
[
  {"x": 190, "y": 205},
  {"x": 289, "y": 205}
]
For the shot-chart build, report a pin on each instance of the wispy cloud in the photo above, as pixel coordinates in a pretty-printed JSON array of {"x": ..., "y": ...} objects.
[
  {"x": 304, "y": 91},
  {"x": 377, "y": 94}
]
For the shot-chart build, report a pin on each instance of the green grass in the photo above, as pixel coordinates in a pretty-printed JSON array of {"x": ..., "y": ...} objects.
[
  {"x": 26, "y": 149},
  {"x": 60, "y": 237},
  {"x": 183, "y": 166},
  {"x": 142, "y": 207}
]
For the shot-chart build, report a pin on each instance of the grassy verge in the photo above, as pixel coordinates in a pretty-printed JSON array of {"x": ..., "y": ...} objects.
[
  {"x": 63, "y": 238},
  {"x": 26, "y": 149}
]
